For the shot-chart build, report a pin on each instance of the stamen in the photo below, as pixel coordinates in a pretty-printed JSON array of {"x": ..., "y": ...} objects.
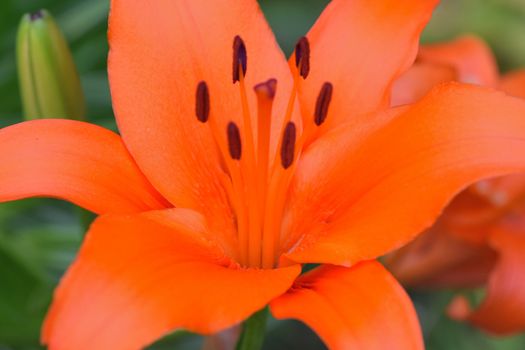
[
  {"x": 202, "y": 102},
  {"x": 248, "y": 163},
  {"x": 280, "y": 177},
  {"x": 280, "y": 181},
  {"x": 288, "y": 145},
  {"x": 240, "y": 58},
  {"x": 234, "y": 141},
  {"x": 302, "y": 56},
  {"x": 322, "y": 104}
]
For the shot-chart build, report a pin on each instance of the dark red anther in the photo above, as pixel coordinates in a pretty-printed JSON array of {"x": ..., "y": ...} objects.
[
  {"x": 302, "y": 56},
  {"x": 288, "y": 145},
  {"x": 240, "y": 58},
  {"x": 234, "y": 141},
  {"x": 322, "y": 103},
  {"x": 202, "y": 102}
]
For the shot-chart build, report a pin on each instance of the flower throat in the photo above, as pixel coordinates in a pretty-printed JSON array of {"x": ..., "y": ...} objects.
[{"x": 259, "y": 185}]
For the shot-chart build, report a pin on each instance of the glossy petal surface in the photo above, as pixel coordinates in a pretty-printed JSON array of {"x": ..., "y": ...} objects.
[
  {"x": 362, "y": 307},
  {"x": 378, "y": 189},
  {"x": 159, "y": 52},
  {"x": 75, "y": 161},
  {"x": 138, "y": 277},
  {"x": 361, "y": 47}
]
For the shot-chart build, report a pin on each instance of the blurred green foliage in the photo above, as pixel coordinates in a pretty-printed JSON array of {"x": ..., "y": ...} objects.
[
  {"x": 39, "y": 237},
  {"x": 500, "y": 22}
]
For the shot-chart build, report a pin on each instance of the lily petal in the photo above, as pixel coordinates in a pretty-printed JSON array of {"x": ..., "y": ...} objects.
[
  {"x": 138, "y": 277},
  {"x": 418, "y": 81},
  {"x": 362, "y": 307},
  {"x": 438, "y": 259},
  {"x": 75, "y": 161},
  {"x": 361, "y": 47},
  {"x": 473, "y": 212},
  {"x": 378, "y": 189},
  {"x": 514, "y": 83},
  {"x": 470, "y": 56},
  {"x": 159, "y": 52},
  {"x": 467, "y": 59},
  {"x": 503, "y": 309}
]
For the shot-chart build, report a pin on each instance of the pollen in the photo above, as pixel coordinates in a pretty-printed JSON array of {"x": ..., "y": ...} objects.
[
  {"x": 202, "y": 102},
  {"x": 234, "y": 141},
  {"x": 240, "y": 58},
  {"x": 322, "y": 103},
  {"x": 288, "y": 145},
  {"x": 302, "y": 56}
]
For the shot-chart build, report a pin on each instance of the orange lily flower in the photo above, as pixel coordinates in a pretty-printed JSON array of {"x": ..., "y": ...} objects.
[
  {"x": 478, "y": 241},
  {"x": 216, "y": 194}
]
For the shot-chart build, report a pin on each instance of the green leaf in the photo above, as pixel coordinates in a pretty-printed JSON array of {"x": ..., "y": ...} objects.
[{"x": 24, "y": 296}]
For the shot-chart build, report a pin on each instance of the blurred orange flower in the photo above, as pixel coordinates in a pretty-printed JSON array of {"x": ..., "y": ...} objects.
[
  {"x": 480, "y": 238},
  {"x": 208, "y": 209}
]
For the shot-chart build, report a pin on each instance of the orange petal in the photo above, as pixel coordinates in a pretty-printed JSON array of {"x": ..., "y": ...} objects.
[
  {"x": 503, "y": 309},
  {"x": 361, "y": 47},
  {"x": 467, "y": 59},
  {"x": 473, "y": 212},
  {"x": 418, "y": 81},
  {"x": 514, "y": 83},
  {"x": 160, "y": 51},
  {"x": 362, "y": 307},
  {"x": 138, "y": 277},
  {"x": 470, "y": 56},
  {"x": 75, "y": 161},
  {"x": 501, "y": 191},
  {"x": 438, "y": 259},
  {"x": 469, "y": 216},
  {"x": 376, "y": 190}
]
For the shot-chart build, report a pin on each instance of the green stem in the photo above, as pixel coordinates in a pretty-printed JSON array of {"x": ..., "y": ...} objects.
[{"x": 253, "y": 331}]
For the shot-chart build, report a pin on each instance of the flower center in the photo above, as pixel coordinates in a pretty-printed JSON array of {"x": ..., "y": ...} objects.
[{"x": 258, "y": 185}]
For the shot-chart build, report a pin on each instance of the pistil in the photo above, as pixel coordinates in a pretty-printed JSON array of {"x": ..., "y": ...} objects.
[
  {"x": 265, "y": 93},
  {"x": 204, "y": 115},
  {"x": 280, "y": 176}
]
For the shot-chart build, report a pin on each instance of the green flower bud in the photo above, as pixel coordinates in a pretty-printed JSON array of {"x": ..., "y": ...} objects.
[{"x": 49, "y": 81}]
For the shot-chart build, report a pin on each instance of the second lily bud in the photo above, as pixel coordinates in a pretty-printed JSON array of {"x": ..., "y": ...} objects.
[{"x": 49, "y": 81}]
